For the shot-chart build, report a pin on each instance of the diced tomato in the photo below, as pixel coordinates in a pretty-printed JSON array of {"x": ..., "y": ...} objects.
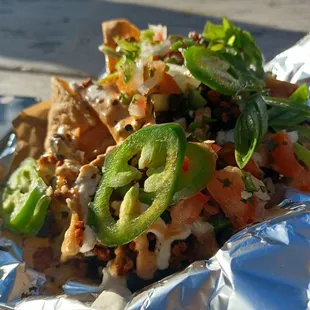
[
  {"x": 166, "y": 86},
  {"x": 213, "y": 146},
  {"x": 187, "y": 211},
  {"x": 302, "y": 182},
  {"x": 284, "y": 157},
  {"x": 158, "y": 36},
  {"x": 228, "y": 154},
  {"x": 185, "y": 166},
  {"x": 226, "y": 188},
  {"x": 95, "y": 141},
  {"x": 124, "y": 87}
]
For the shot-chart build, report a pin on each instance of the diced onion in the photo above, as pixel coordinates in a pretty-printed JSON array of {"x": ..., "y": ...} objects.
[
  {"x": 159, "y": 68},
  {"x": 293, "y": 136},
  {"x": 149, "y": 50},
  {"x": 182, "y": 77},
  {"x": 137, "y": 106},
  {"x": 200, "y": 227},
  {"x": 159, "y": 29},
  {"x": 89, "y": 240},
  {"x": 149, "y": 84}
]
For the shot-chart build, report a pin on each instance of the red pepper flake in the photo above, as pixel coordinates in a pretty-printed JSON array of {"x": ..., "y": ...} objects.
[{"x": 185, "y": 166}]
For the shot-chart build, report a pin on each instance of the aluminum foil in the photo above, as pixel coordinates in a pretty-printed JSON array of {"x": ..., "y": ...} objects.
[
  {"x": 293, "y": 65},
  {"x": 266, "y": 266}
]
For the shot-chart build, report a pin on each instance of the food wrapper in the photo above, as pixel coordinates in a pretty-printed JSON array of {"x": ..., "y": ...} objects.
[{"x": 265, "y": 266}]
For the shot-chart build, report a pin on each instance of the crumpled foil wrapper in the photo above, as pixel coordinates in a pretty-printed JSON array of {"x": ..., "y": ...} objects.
[
  {"x": 293, "y": 65},
  {"x": 265, "y": 266}
]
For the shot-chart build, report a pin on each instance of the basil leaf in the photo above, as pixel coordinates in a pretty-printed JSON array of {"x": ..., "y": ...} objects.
[
  {"x": 213, "y": 32},
  {"x": 251, "y": 126},
  {"x": 282, "y": 117},
  {"x": 231, "y": 39},
  {"x": 300, "y": 109}
]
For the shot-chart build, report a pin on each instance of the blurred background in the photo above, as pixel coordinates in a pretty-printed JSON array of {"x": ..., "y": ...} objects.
[{"x": 40, "y": 38}]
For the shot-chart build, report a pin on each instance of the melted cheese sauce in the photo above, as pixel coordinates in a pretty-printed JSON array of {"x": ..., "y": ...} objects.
[
  {"x": 89, "y": 240},
  {"x": 105, "y": 101},
  {"x": 86, "y": 184}
]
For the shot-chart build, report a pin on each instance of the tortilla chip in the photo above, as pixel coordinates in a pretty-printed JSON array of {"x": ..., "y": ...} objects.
[
  {"x": 30, "y": 129},
  {"x": 122, "y": 29},
  {"x": 71, "y": 114}
]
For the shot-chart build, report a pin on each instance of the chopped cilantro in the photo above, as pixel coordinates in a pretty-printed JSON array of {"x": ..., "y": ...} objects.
[{"x": 248, "y": 182}]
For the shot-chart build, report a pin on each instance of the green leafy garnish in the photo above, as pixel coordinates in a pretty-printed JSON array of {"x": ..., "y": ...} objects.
[
  {"x": 127, "y": 46},
  {"x": 130, "y": 49},
  {"x": 251, "y": 126},
  {"x": 248, "y": 182},
  {"x": 288, "y": 105},
  {"x": 108, "y": 78},
  {"x": 176, "y": 45},
  {"x": 233, "y": 40},
  {"x": 109, "y": 51},
  {"x": 147, "y": 35},
  {"x": 283, "y": 117}
]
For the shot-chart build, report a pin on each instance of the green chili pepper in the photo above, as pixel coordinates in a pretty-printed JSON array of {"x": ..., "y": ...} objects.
[
  {"x": 197, "y": 172},
  {"x": 212, "y": 69},
  {"x": 24, "y": 200},
  {"x": 162, "y": 149}
]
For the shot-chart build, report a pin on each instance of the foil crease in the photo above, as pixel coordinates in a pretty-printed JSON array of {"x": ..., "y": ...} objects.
[{"x": 265, "y": 266}]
